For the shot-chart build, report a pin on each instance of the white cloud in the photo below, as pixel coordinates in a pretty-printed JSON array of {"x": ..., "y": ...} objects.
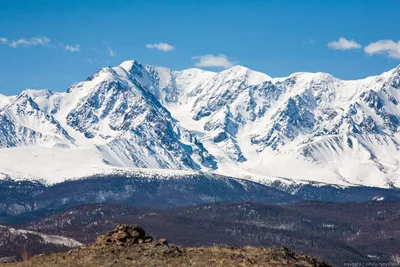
[
  {"x": 220, "y": 61},
  {"x": 389, "y": 47},
  {"x": 344, "y": 44},
  {"x": 72, "y": 48},
  {"x": 37, "y": 41},
  {"x": 111, "y": 52},
  {"x": 30, "y": 42},
  {"x": 161, "y": 46}
]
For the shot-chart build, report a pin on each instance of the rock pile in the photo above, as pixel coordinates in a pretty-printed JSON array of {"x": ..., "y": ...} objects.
[{"x": 124, "y": 235}]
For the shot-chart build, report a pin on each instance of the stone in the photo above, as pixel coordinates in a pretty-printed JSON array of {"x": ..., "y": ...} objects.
[
  {"x": 148, "y": 239},
  {"x": 121, "y": 236},
  {"x": 162, "y": 241}
]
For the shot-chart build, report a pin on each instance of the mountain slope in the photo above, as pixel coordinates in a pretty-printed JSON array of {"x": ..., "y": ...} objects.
[{"x": 237, "y": 122}]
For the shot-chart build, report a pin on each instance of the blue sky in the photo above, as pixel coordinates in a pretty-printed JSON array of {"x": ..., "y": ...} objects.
[{"x": 52, "y": 44}]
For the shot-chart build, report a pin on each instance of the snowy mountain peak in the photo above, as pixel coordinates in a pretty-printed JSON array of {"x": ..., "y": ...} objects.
[
  {"x": 237, "y": 122},
  {"x": 132, "y": 66},
  {"x": 243, "y": 73},
  {"x": 313, "y": 76},
  {"x": 4, "y": 100},
  {"x": 395, "y": 78},
  {"x": 34, "y": 93}
]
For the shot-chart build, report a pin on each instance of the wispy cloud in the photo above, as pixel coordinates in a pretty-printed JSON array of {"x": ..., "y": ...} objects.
[
  {"x": 165, "y": 47},
  {"x": 344, "y": 44},
  {"x": 35, "y": 41},
  {"x": 72, "y": 48},
  {"x": 111, "y": 52},
  {"x": 220, "y": 61},
  {"x": 309, "y": 41},
  {"x": 388, "y": 47},
  {"x": 38, "y": 41}
]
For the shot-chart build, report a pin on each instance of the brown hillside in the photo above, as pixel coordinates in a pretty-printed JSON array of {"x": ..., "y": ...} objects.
[{"x": 129, "y": 246}]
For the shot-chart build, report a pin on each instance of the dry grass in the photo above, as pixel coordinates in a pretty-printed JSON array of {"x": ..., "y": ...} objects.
[
  {"x": 149, "y": 254},
  {"x": 25, "y": 254}
]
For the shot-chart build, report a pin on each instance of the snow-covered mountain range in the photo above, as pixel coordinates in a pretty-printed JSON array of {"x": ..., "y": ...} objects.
[{"x": 238, "y": 122}]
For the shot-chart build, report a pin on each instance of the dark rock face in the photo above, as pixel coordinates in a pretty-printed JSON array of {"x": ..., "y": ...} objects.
[
  {"x": 13, "y": 134},
  {"x": 123, "y": 103},
  {"x": 291, "y": 120}
]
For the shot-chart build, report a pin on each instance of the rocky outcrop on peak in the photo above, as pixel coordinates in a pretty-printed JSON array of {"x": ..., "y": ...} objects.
[{"x": 124, "y": 235}]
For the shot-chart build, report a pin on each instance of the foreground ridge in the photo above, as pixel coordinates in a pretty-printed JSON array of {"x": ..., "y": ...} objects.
[{"x": 128, "y": 245}]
